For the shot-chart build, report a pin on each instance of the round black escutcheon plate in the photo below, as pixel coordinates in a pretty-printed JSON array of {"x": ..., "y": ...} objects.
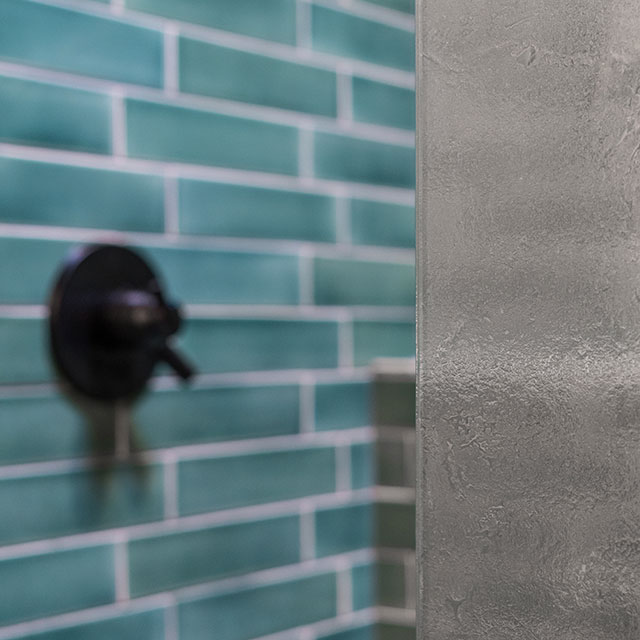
[{"x": 109, "y": 323}]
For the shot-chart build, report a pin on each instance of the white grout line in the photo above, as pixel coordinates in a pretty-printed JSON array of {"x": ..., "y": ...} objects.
[
  {"x": 215, "y": 381},
  {"x": 118, "y": 125},
  {"x": 117, "y": 7},
  {"x": 190, "y": 523},
  {"x": 210, "y": 243},
  {"x": 24, "y": 311},
  {"x": 170, "y": 481},
  {"x": 401, "y": 617},
  {"x": 395, "y": 495},
  {"x": 319, "y": 186},
  {"x": 304, "y": 312},
  {"x": 343, "y": 221},
  {"x": 305, "y": 153},
  {"x": 346, "y": 344},
  {"x": 343, "y": 465},
  {"x": 303, "y": 28},
  {"x": 171, "y": 204},
  {"x": 410, "y": 587},
  {"x": 171, "y": 61},
  {"x": 171, "y": 630},
  {"x": 307, "y": 408},
  {"x": 345, "y": 95},
  {"x": 319, "y": 439},
  {"x": 307, "y": 533},
  {"x": 344, "y": 594},
  {"x": 121, "y": 568}
]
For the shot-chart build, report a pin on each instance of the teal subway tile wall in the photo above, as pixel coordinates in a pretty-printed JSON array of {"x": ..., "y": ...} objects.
[{"x": 261, "y": 155}]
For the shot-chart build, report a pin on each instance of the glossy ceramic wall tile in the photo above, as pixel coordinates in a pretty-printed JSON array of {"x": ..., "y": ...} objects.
[{"x": 260, "y": 154}]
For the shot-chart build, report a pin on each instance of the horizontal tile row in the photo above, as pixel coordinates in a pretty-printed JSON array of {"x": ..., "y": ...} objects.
[
  {"x": 62, "y": 118},
  {"x": 176, "y": 418},
  {"x": 102, "y": 47},
  {"x": 226, "y": 345},
  {"x": 150, "y": 625},
  {"x": 174, "y": 560},
  {"x": 71, "y": 196},
  {"x": 73, "y": 502},
  {"x": 218, "y": 277}
]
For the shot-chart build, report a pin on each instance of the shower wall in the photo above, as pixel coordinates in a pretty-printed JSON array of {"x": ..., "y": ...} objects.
[
  {"x": 261, "y": 154},
  {"x": 529, "y": 396}
]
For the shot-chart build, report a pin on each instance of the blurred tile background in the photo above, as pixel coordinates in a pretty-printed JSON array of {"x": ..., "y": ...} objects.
[{"x": 261, "y": 153}]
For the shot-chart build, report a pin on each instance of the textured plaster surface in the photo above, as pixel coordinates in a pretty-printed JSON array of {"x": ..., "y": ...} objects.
[{"x": 529, "y": 309}]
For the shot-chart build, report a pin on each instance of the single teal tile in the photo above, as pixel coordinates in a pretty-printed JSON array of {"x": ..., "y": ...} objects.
[
  {"x": 394, "y": 403},
  {"x": 257, "y": 345},
  {"x": 383, "y": 340},
  {"x": 164, "y": 132},
  {"x": 407, "y": 6},
  {"x": 357, "y": 160},
  {"x": 77, "y": 42},
  {"x": 47, "y": 115},
  {"x": 54, "y": 583},
  {"x": 206, "y": 276},
  {"x": 179, "y": 559},
  {"x": 366, "y": 632},
  {"x": 66, "y": 196},
  {"x": 395, "y": 632},
  {"x": 344, "y": 529},
  {"x": 46, "y": 506},
  {"x": 148, "y": 625},
  {"x": 363, "y": 581},
  {"x": 382, "y": 224},
  {"x": 213, "y": 208},
  {"x": 29, "y": 269},
  {"x": 24, "y": 351},
  {"x": 383, "y": 104},
  {"x": 391, "y": 585},
  {"x": 363, "y": 465},
  {"x": 344, "y": 34},
  {"x": 343, "y": 405},
  {"x": 257, "y": 79},
  {"x": 40, "y": 428},
  {"x": 396, "y": 525},
  {"x": 390, "y": 463},
  {"x": 355, "y": 282},
  {"x": 174, "y": 418},
  {"x": 272, "y": 608},
  {"x": 255, "y": 479},
  {"x": 273, "y": 20}
]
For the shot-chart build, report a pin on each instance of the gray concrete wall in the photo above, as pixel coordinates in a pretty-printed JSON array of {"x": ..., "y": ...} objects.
[{"x": 529, "y": 307}]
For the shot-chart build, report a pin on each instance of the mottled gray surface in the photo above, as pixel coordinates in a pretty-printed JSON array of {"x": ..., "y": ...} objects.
[{"x": 529, "y": 287}]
